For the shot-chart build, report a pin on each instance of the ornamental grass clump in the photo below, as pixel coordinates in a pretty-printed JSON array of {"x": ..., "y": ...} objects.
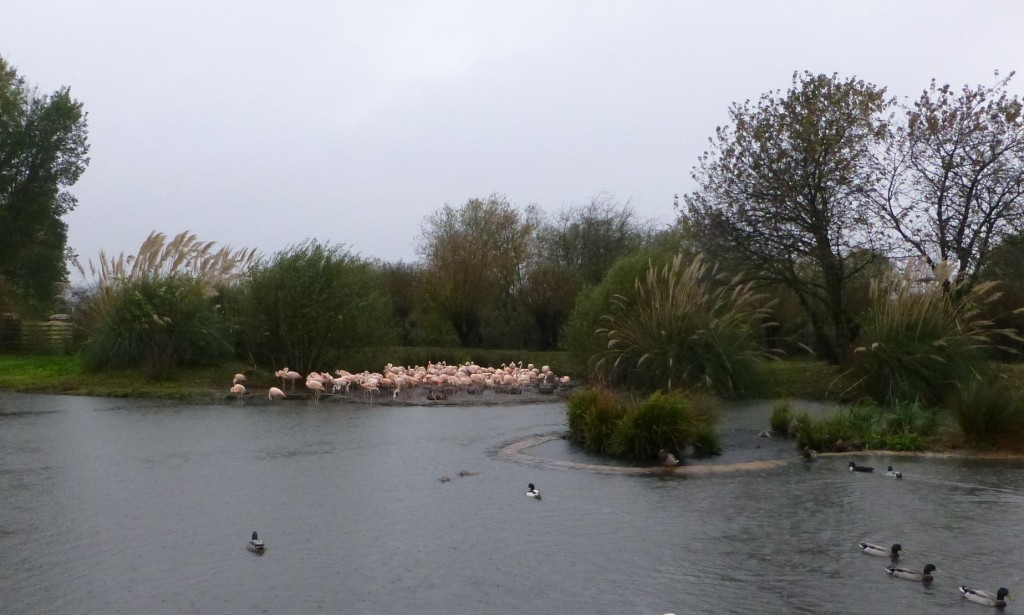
[
  {"x": 989, "y": 413},
  {"x": 922, "y": 339},
  {"x": 158, "y": 309},
  {"x": 592, "y": 416},
  {"x": 685, "y": 327}
]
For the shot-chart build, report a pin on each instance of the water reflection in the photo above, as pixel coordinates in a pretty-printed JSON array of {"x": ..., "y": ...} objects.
[{"x": 109, "y": 506}]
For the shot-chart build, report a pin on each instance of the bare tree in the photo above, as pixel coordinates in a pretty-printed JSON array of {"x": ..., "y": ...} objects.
[{"x": 956, "y": 184}]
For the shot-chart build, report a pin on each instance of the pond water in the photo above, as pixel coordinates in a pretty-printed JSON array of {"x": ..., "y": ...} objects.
[{"x": 126, "y": 506}]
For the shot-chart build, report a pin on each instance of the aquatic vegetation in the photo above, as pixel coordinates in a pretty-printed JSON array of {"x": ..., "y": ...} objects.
[
  {"x": 866, "y": 425},
  {"x": 603, "y": 422},
  {"x": 781, "y": 421}
]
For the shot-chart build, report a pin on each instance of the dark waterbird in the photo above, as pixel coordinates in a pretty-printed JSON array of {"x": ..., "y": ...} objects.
[{"x": 856, "y": 468}]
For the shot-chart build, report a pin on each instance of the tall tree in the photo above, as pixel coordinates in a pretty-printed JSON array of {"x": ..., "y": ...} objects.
[
  {"x": 42, "y": 152},
  {"x": 957, "y": 176},
  {"x": 783, "y": 192},
  {"x": 475, "y": 257},
  {"x": 574, "y": 250}
]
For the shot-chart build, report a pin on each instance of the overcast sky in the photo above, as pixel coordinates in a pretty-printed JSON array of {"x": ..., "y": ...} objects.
[{"x": 260, "y": 124}]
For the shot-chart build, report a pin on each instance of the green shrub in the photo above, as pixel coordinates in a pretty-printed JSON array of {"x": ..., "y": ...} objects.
[
  {"x": 685, "y": 328},
  {"x": 310, "y": 306}
]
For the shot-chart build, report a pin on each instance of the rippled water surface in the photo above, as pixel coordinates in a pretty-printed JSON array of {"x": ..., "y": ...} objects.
[{"x": 114, "y": 506}]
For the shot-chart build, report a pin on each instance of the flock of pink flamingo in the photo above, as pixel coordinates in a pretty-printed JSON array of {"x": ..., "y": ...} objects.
[{"x": 439, "y": 380}]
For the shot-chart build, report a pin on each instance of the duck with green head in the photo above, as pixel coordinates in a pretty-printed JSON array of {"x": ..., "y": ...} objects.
[
  {"x": 921, "y": 576},
  {"x": 892, "y": 552},
  {"x": 982, "y": 597}
]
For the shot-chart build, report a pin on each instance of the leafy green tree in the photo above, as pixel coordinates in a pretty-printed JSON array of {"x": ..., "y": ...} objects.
[
  {"x": 957, "y": 176},
  {"x": 784, "y": 193},
  {"x": 475, "y": 257},
  {"x": 42, "y": 152},
  {"x": 309, "y": 305}
]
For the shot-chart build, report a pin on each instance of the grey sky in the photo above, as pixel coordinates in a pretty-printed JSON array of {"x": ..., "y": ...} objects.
[{"x": 260, "y": 124}]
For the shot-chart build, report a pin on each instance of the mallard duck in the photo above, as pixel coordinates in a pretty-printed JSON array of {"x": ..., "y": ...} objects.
[
  {"x": 532, "y": 492},
  {"x": 856, "y": 468},
  {"x": 893, "y": 473},
  {"x": 980, "y": 596},
  {"x": 255, "y": 544},
  {"x": 873, "y": 549},
  {"x": 923, "y": 576}
]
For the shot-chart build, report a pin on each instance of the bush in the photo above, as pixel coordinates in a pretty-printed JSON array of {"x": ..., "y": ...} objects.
[
  {"x": 592, "y": 417},
  {"x": 309, "y": 307},
  {"x": 685, "y": 328}
]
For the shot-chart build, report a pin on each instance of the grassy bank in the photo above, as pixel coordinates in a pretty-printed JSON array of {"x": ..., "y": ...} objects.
[
  {"x": 64, "y": 374},
  {"x": 67, "y": 374}
]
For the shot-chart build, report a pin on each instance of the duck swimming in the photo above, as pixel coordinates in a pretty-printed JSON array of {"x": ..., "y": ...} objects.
[
  {"x": 924, "y": 576},
  {"x": 980, "y": 596},
  {"x": 255, "y": 544},
  {"x": 809, "y": 454},
  {"x": 532, "y": 492},
  {"x": 873, "y": 549},
  {"x": 893, "y": 473},
  {"x": 856, "y": 468}
]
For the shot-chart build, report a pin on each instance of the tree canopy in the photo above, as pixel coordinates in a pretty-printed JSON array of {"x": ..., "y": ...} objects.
[
  {"x": 784, "y": 193},
  {"x": 43, "y": 151}
]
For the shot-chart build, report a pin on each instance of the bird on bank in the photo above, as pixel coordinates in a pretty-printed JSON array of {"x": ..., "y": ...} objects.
[
  {"x": 856, "y": 468},
  {"x": 892, "y": 552},
  {"x": 809, "y": 454},
  {"x": 922, "y": 576},
  {"x": 980, "y": 596},
  {"x": 893, "y": 473},
  {"x": 667, "y": 459}
]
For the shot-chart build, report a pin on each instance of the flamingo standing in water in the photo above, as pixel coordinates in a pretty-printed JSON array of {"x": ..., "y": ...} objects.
[
  {"x": 238, "y": 390},
  {"x": 275, "y": 393},
  {"x": 316, "y": 386}
]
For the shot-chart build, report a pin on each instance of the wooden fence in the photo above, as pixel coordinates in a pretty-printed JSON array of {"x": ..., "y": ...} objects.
[{"x": 51, "y": 336}]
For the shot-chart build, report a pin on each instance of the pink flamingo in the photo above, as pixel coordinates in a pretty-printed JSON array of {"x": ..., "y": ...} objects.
[
  {"x": 239, "y": 378},
  {"x": 316, "y": 386},
  {"x": 275, "y": 393}
]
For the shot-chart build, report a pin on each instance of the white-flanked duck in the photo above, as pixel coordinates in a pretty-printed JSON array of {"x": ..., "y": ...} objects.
[
  {"x": 980, "y": 596},
  {"x": 921, "y": 576},
  {"x": 856, "y": 468},
  {"x": 255, "y": 544},
  {"x": 893, "y": 473},
  {"x": 532, "y": 491},
  {"x": 880, "y": 551}
]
